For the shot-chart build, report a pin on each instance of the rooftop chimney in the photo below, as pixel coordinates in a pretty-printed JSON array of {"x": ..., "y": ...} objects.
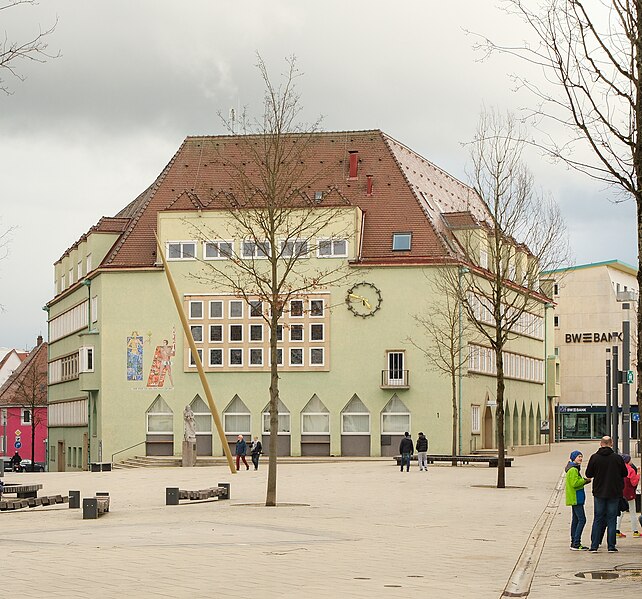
[
  {"x": 39, "y": 340},
  {"x": 369, "y": 185},
  {"x": 354, "y": 164}
]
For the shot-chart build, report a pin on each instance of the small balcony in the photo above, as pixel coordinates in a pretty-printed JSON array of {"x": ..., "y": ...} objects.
[{"x": 395, "y": 379}]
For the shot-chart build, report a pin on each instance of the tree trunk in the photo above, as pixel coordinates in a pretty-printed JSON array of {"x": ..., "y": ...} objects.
[
  {"x": 501, "y": 440},
  {"x": 637, "y": 167},
  {"x": 33, "y": 438},
  {"x": 270, "y": 497},
  {"x": 453, "y": 387}
]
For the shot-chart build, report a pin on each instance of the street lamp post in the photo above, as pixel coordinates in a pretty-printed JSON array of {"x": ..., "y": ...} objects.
[
  {"x": 626, "y": 388},
  {"x": 462, "y": 270}
]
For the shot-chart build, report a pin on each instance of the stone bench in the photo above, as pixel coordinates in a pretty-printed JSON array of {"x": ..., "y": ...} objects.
[
  {"x": 173, "y": 495},
  {"x": 21, "y": 491},
  {"x": 16, "y": 504},
  {"x": 492, "y": 461},
  {"x": 93, "y": 507}
]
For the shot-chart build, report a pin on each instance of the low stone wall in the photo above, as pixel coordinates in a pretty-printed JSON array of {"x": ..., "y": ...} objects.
[{"x": 516, "y": 450}]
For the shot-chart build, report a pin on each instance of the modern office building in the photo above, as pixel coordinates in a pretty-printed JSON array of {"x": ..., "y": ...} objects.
[
  {"x": 591, "y": 303},
  {"x": 352, "y": 380}
]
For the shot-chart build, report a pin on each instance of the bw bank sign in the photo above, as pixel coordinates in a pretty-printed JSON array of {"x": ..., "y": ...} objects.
[{"x": 593, "y": 337}]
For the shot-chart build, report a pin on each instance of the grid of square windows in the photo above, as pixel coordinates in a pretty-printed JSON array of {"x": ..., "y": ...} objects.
[{"x": 232, "y": 334}]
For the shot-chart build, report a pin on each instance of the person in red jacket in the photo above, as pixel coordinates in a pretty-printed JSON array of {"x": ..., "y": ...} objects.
[{"x": 630, "y": 484}]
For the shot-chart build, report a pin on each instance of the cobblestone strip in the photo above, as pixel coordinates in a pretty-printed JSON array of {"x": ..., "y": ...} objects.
[{"x": 519, "y": 583}]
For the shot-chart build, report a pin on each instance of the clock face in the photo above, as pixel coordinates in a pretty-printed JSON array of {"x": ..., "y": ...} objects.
[{"x": 364, "y": 299}]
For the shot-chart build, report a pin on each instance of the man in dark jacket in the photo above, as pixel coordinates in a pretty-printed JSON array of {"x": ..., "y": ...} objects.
[
  {"x": 422, "y": 452},
  {"x": 607, "y": 469},
  {"x": 406, "y": 449}
]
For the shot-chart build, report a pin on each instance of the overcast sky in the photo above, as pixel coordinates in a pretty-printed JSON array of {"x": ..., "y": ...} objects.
[{"x": 87, "y": 132}]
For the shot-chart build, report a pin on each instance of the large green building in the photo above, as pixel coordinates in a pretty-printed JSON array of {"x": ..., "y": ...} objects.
[{"x": 353, "y": 377}]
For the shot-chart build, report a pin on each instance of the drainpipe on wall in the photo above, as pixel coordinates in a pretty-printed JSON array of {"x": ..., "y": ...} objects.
[
  {"x": 548, "y": 405},
  {"x": 462, "y": 270},
  {"x": 87, "y": 283}
]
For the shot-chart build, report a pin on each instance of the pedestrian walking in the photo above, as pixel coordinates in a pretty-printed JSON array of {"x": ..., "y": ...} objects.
[
  {"x": 576, "y": 497},
  {"x": 607, "y": 471},
  {"x": 257, "y": 450},
  {"x": 241, "y": 451},
  {"x": 422, "y": 452},
  {"x": 406, "y": 449},
  {"x": 631, "y": 481}
]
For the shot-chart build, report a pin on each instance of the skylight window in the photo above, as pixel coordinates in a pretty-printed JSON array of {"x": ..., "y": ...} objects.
[{"x": 401, "y": 241}]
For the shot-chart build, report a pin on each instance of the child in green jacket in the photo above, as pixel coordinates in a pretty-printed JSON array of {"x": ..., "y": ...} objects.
[{"x": 575, "y": 497}]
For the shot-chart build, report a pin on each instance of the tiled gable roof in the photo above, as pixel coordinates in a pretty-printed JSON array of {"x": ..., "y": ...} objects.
[
  {"x": 37, "y": 359},
  {"x": 408, "y": 193}
]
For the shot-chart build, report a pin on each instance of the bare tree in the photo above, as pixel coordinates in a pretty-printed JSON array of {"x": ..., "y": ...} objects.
[
  {"x": 524, "y": 234},
  {"x": 30, "y": 393},
  {"x": 13, "y": 52},
  {"x": 446, "y": 331},
  {"x": 269, "y": 208},
  {"x": 591, "y": 57}
]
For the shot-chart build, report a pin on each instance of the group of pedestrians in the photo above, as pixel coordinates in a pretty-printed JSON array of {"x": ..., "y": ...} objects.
[
  {"x": 406, "y": 449},
  {"x": 256, "y": 449},
  {"x": 614, "y": 480}
]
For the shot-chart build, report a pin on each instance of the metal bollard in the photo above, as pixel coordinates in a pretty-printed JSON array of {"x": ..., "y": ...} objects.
[
  {"x": 74, "y": 499},
  {"x": 89, "y": 508},
  {"x": 171, "y": 496},
  {"x": 226, "y": 486}
]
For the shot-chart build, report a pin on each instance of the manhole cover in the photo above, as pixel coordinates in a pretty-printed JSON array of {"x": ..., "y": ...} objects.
[
  {"x": 598, "y": 575},
  {"x": 620, "y": 572}
]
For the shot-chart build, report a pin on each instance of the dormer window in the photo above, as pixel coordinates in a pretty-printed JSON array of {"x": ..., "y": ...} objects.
[{"x": 401, "y": 241}]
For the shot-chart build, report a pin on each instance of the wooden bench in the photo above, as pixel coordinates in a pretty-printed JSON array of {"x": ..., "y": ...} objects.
[
  {"x": 173, "y": 495},
  {"x": 92, "y": 507},
  {"x": 16, "y": 504},
  {"x": 492, "y": 461},
  {"x": 21, "y": 491}
]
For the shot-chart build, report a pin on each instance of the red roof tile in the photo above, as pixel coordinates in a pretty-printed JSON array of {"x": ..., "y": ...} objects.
[{"x": 409, "y": 194}]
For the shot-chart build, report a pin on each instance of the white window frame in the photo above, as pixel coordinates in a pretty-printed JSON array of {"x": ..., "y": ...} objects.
[
  {"x": 86, "y": 359},
  {"x": 407, "y": 427},
  {"x": 311, "y": 312},
  {"x": 25, "y": 421},
  {"x": 229, "y": 308},
  {"x": 333, "y": 251},
  {"x": 261, "y": 250},
  {"x": 343, "y": 431},
  {"x": 209, "y": 307},
  {"x": 249, "y": 362},
  {"x": 79, "y": 272},
  {"x": 88, "y": 263},
  {"x": 290, "y": 350},
  {"x": 229, "y": 357},
  {"x": 167, "y": 432},
  {"x": 297, "y": 301},
  {"x": 475, "y": 419},
  {"x": 181, "y": 245},
  {"x": 483, "y": 259},
  {"x": 217, "y": 243},
  {"x": 310, "y": 336},
  {"x": 221, "y": 327},
  {"x": 195, "y": 303},
  {"x": 196, "y": 326},
  {"x": 229, "y": 333},
  {"x": 192, "y": 362},
  {"x": 313, "y": 364},
  {"x": 259, "y": 327},
  {"x": 327, "y": 416},
  {"x": 251, "y": 306},
  {"x": 299, "y": 327},
  {"x": 295, "y": 251},
  {"x": 247, "y": 415},
  {"x": 209, "y": 357},
  {"x": 266, "y": 418}
]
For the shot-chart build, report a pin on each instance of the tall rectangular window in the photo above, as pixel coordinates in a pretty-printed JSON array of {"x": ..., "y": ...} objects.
[{"x": 475, "y": 425}]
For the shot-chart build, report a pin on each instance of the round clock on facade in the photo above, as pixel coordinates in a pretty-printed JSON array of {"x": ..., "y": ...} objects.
[{"x": 364, "y": 299}]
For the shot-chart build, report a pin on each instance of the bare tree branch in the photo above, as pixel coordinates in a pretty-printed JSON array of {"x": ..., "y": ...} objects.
[{"x": 34, "y": 49}]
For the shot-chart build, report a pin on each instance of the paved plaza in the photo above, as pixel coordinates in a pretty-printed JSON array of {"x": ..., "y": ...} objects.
[{"x": 350, "y": 529}]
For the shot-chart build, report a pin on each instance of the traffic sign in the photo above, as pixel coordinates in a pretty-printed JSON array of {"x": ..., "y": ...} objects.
[
  {"x": 17, "y": 444},
  {"x": 635, "y": 416},
  {"x": 18, "y": 432},
  {"x": 629, "y": 377}
]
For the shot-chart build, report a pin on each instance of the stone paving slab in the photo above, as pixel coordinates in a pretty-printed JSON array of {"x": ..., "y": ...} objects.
[{"x": 367, "y": 530}]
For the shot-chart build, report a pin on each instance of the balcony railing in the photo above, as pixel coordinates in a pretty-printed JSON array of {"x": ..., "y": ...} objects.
[{"x": 395, "y": 379}]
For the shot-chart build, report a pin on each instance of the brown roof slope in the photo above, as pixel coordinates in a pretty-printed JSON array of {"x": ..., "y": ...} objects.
[
  {"x": 409, "y": 193},
  {"x": 37, "y": 359}
]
